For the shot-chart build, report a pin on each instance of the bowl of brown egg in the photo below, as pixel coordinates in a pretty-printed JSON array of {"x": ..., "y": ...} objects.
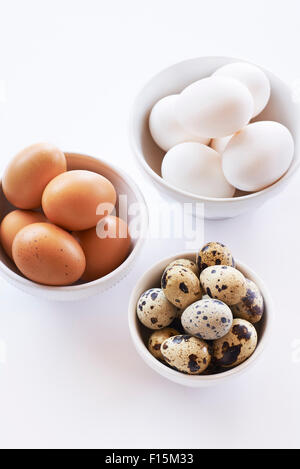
[
  {"x": 200, "y": 318},
  {"x": 64, "y": 234}
]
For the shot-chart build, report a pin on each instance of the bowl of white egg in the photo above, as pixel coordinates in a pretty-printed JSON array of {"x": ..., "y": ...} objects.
[{"x": 217, "y": 131}]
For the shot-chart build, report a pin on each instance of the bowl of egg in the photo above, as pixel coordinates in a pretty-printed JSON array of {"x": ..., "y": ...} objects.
[
  {"x": 199, "y": 319},
  {"x": 64, "y": 234},
  {"x": 217, "y": 131}
]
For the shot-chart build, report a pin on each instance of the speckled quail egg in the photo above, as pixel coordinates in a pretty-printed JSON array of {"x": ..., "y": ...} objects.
[
  {"x": 181, "y": 286},
  {"x": 187, "y": 263},
  {"x": 224, "y": 283},
  {"x": 186, "y": 354},
  {"x": 236, "y": 346},
  {"x": 154, "y": 310},
  {"x": 157, "y": 338},
  {"x": 207, "y": 319},
  {"x": 251, "y": 306},
  {"x": 214, "y": 253}
]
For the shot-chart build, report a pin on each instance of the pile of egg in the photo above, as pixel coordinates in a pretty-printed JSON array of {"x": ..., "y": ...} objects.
[
  {"x": 212, "y": 147},
  {"x": 53, "y": 234},
  {"x": 203, "y": 319}
]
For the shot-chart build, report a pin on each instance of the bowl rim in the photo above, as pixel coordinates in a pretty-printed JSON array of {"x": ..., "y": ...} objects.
[
  {"x": 170, "y": 187},
  {"x": 196, "y": 380},
  {"x": 15, "y": 277}
]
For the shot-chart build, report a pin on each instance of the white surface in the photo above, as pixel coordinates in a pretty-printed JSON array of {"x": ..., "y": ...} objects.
[{"x": 72, "y": 377}]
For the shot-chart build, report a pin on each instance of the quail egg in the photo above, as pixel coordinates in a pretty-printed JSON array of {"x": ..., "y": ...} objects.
[
  {"x": 236, "y": 346},
  {"x": 186, "y": 263},
  {"x": 214, "y": 253},
  {"x": 207, "y": 319},
  {"x": 181, "y": 286},
  {"x": 186, "y": 354},
  {"x": 251, "y": 306},
  {"x": 154, "y": 310},
  {"x": 224, "y": 283},
  {"x": 157, "y": 338}
]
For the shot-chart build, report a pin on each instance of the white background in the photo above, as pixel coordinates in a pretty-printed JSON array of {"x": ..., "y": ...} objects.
[{"x": 72, "y": 377}]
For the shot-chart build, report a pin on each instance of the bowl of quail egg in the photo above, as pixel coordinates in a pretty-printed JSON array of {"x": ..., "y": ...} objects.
[
  {"x": 199, "y": 319},
  {"x": 218, "y": 131}
]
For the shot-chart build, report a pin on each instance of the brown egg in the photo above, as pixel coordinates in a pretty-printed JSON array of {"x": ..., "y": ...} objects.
[
  {"x": 13, "y": 222},
  {"x": 47, "y": 254},
  {"x": 104, "y": 254},
  {"x": 72, "y": 200},
  {"x": 29, "y": 172}
]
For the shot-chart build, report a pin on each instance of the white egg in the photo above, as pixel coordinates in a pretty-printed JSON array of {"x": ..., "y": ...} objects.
[
  {"x": 214, "y": 107},
  {"x": 196, "y": 168},
  {"x": 258, "y": 155},
  {"x": 165, "y": 129},
  {"x": 254, "y": 78},
  {"x": 219, "y": 144}
]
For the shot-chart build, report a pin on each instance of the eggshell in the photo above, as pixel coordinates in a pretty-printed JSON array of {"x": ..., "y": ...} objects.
[
  {"x": 181, "y": 286},
  {"x": 236, "y": 346},
  {"x": 47, "y": 254},
  {"x": 156, "y": 340},
  {"x": 186, "y": 263},
  {"x": 251, "y": 306},
  {"x": 214, "y": 107},
  {"x": 13, "y": 222},
  {"x": 197, "y": 169},
  {"x": 72, "y": 200},
  {"x": 258, "y": 155},
  {"x": 165, "y": 129},
  {"x": 186, "y": 354},
  {"x": 207, "y": 319},
  {"x": 154, "y": 310},
  {"x": 253, "y": 78},
  {"x": 224, "y": 283},
  {"x": 105, "y": 248},
  {"x": 29, "y": 172},
  {"x": 214, "y": 253}
]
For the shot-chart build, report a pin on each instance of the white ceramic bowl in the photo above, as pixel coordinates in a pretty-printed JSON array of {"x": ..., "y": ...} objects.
[
  {"x": 140, "y": 334},
  {"x": 123, "y": 185},
  {"x": 174, "y": 79}
]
